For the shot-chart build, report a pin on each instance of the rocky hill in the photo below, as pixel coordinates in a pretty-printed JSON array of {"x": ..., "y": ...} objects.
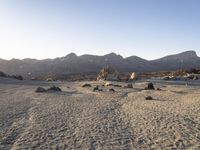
[{"x": 86, "y": 64}]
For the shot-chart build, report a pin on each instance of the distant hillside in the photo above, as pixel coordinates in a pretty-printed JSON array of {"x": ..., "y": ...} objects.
[{"x": 73, "y": 64}]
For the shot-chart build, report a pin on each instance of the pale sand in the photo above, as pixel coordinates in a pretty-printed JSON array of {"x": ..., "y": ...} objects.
[{"x": 79, "y": 118}]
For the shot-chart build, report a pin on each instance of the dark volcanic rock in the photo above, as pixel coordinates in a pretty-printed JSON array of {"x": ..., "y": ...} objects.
[
  {"x": 111, "y": 90},
  {"x": 40, "y": 90},
  {"x": 54, "y": 88},
  {"x": 148, "y": 98},
  {"x": 51, "y": 89},
  {"x": 86, "y": 85},
  {"x": 150, "y": 86}
]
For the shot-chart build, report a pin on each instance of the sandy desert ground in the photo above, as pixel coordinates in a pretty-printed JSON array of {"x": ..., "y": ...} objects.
[{"x": 79, "y": 118}]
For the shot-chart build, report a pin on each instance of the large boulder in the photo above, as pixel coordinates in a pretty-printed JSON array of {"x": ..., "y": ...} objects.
[
  {"x": 40, "y": 90},
  {"x": 54, "y": 88},
  {"x": 150, "y": 86},
  {"x": 86, "y": 85},
  {"x": 149, "y": 98},
  {"x": 108, "y": 74}
]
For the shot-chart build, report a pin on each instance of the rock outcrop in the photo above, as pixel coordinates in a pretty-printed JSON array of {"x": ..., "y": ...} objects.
[{"x": 108, "y": 74}]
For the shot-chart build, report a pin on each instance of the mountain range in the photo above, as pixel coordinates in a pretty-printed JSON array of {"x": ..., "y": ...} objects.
[{"x": 86, "y": 64}]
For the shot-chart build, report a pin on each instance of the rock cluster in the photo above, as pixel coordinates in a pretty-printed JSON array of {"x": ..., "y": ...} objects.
[{"x": 51, "y": 89}]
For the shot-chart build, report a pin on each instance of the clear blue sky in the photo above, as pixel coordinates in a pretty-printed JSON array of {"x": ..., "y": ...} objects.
[{"x": 52, "y": 28}]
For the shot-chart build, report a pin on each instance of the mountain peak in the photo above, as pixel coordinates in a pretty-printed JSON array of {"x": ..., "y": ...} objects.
[
  {"x": 71, "y": 55},
  {"x": 113, "y": 55},
  {"x": 190, "y": 53},
  {"x": 135, "y": 58}
]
